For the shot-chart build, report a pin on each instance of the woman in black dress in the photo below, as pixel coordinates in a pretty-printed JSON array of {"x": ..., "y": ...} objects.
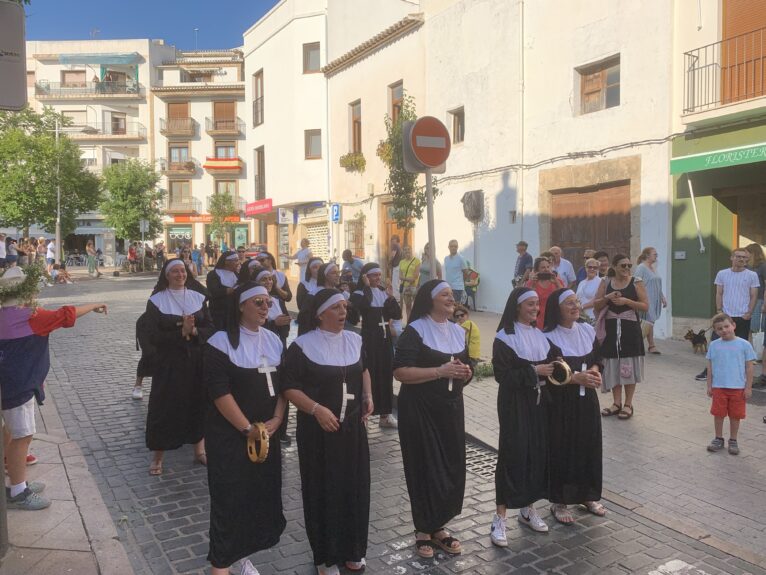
[
  {"x": 281, "y": 285},
  {"x": 521, "y": 358},
  {"x": 376, "y": 306},
  {"x": 618, "y": 300},
  {"x": 326, "y": 378},
  {"x": 327, "y": 277},
  {"x": 248, "y": 271},
  {"x": 176, "y": 325},
  {"x": 221, "y": 282},
  {"x": 242, "y": 374},
  {"x": 574, "y": 423},
  {"x": 308, "y": 285},
  {"x": 432, "y": 363},
  {"x": 278, "y": 319}
]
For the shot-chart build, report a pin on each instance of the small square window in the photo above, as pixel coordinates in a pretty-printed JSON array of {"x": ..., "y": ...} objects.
[
  {"x": 458, "y": 125},
  {"x": 313, "y": 144},
  {"x": 311, "y": 58},
  {"x": 600, "y": 86}
]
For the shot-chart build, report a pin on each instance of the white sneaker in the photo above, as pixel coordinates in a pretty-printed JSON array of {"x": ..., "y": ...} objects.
[
  {"x": 322, "y": 570},
  {"x": 533, "y": 520},
  {"x": 389, "y": 421},
  {"x": 497, "y": 531},
  {"x": 138, "y": 393},
  {"x": 248, "y": 568}
]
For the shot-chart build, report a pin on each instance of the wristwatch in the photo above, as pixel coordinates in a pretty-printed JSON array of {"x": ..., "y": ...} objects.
[{"x": 246, "y": 430}]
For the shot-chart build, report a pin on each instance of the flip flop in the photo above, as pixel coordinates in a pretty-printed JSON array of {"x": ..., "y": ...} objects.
[
  {"x": 155, "y": 468},
  {"x": 563, "y": 516},
  {"x": 595, "y": 507}
]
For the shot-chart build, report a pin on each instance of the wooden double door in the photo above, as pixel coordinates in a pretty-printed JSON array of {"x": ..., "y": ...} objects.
[{"x": 597, "y": 218}]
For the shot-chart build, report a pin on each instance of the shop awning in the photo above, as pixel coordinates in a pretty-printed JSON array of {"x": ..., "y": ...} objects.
[
  {"x": 719, "y": 159},
  {"x": 112, "y": 58}
]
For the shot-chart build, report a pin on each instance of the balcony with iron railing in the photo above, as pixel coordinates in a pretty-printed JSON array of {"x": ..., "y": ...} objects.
[
  {"x": 728, "y": 74},
  {"x": 181, "y": 205},
  {"x": 224, "y": 127},
  {"x": 186, "y": 167},
  {"x": 108, "y": 131},
  {"x": 239, "y": 204},
  {"x": 223, "y": 166},
  {"x": 178, "y": 127},
  {"x": 45, "y": 90}
]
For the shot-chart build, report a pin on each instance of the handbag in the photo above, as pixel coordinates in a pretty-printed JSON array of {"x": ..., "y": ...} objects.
[{"x": 758, "y": 340}]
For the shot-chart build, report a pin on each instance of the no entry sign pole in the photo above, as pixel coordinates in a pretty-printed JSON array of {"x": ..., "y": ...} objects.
[{"x": 426, "y": 148}]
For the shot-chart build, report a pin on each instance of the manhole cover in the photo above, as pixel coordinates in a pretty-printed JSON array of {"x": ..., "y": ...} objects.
[{"x": 480, "y": 460}]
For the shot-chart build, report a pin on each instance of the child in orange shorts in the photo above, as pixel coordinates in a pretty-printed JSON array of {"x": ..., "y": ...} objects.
[{"x": 729, "y": 380}]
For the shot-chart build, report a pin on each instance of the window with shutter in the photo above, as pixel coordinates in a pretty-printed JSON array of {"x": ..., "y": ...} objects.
[{"x": 600, "y": 86}]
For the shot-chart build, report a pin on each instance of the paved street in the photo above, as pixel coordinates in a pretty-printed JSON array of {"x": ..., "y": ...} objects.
[{"x": 655, "y": 465}]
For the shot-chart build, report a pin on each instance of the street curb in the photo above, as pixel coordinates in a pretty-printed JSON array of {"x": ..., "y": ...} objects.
[
  {"x": 665, "y": 520},
  {"x": 110, "y": 554}
]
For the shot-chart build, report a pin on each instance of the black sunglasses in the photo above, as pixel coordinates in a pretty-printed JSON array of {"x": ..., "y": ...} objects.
[
  {"x": 262, "y": 302},
  {"x": 626, "y": 266}
]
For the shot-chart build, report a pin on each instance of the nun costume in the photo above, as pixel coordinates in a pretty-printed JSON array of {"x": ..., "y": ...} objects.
[
  {"x": 326, "y": 377},
  {"x": 242, "y": 374},
  {"x": 221, "y": 282},
  {"x": 308, "y": 284},
  {"x": 327, "y": 278}
]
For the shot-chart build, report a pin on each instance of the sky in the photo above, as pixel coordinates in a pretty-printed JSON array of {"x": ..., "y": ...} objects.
[{"x": 220, "y": 22}]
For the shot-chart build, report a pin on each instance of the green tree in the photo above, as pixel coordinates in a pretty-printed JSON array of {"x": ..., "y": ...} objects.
[
  {"x": 408, "y": 198},
  {"x": 32, "y": 165},
  {"x": 221, "y": 209},
  {"x": 131, "y": 195}
]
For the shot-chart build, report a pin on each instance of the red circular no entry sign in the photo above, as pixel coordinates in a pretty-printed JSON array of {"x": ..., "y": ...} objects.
[{"x": 430, "y": 142}]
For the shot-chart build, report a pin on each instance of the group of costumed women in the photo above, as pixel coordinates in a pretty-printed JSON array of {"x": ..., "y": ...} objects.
[{"x": 228, "y": 378}]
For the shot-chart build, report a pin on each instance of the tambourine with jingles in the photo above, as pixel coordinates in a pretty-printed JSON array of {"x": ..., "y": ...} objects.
[
  {"x": 258, "y": 445},
  {"x": 562, "y": 373}
]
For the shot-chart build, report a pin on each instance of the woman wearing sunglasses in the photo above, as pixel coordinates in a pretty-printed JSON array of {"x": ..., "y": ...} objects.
[
  {"x": 618, "y": 302},
  {"x": 242, "y": 373}
]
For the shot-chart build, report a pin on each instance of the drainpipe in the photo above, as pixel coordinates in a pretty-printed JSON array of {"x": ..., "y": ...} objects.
[
  {"x": 330, "y": 224},
  {"x": 696, "y": 217},
  {"x": 520, "y": 181}
]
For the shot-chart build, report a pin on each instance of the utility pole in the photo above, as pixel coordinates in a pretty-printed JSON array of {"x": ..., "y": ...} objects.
[{"x": 57, "y": 254}]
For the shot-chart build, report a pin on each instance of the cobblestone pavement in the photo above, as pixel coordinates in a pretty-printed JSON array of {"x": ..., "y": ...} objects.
[{"x": 163, "y": 522}]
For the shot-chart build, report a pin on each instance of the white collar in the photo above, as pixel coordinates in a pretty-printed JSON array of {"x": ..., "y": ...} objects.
[
  {"x": 528, "y": 342},
  {"x": 445, "y": 337},
  {"x": 228, "y": 278},
  {"x": 576, "y": 341},
  {"x": 328, "y": 348},
  {"x": 255, "y": 347},
  {"x": 379, "y": 297},
  {"x": 178, "y": 301},
  {"x": 311, "y": 285},
  {"x": 275, "y": 310}
]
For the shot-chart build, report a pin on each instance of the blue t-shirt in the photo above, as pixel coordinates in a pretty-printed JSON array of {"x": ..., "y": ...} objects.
[
  {"x": 728, "y": 359},
  {"x": 453, "y": 271}
]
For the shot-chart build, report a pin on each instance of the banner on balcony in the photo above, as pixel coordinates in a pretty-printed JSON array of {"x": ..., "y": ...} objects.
[
  {"x": 719, "y": 159},
  {"x": 259, "y": 207}
]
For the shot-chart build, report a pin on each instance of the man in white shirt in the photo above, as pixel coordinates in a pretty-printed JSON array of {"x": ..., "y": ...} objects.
[
  {"x": 563, "y": 268},
  {"x": 301, "y": 257},
  {"x": 736, "y": 290},
  {"x": 50, "y": 255},
  {"x": 2, "y": 251}
]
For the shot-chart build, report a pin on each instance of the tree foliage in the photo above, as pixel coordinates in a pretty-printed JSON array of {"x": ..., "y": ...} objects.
[
  {"x": 222, "y": 208},
  {"x": 31, "y": 166},
  {"x": 409, "y": 199},
  {"x": 131, "y": 195}
]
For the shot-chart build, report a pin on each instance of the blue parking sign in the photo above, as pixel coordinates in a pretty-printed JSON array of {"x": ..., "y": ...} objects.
[{"x": 335, "y": 213}]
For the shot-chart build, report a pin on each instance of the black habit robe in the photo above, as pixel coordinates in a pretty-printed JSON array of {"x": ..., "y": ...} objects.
[
  {"x": 219, "y": 298},
  {"x": 375, "y": 307},
  {"x": 574, "y": 427},
  {"x": 432, "y": 429},
  {"x": 245, "y": 497},
  {"x": 177, "y": 401},
  {"x": 335, "y": 467},
  {"x": 521, "y": 475}
]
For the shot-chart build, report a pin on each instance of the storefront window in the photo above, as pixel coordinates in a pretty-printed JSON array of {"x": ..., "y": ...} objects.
[{"x": 178, "y": 236}]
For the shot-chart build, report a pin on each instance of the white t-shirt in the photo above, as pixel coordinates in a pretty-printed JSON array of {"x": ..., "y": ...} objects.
[
  {"x": 566, "y": 271},
  {"x": 586, "y": 291},
  {"x": 50, "y": 252},
  {"x": 302, "y": 257},
  {"x": 736, "y": 290},
  {"x": 2, "y": 249}
]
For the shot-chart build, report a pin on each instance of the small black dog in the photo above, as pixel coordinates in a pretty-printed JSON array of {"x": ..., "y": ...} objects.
[{"x": 699, "y": 341}]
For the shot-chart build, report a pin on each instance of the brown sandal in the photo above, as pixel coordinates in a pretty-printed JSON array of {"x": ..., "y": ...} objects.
[
  {"x": 424, "y": 548},
  {"x": 607, "y": 411},
  {"x": 625, "y": 414},
  {"x": 447, "y": 543}
]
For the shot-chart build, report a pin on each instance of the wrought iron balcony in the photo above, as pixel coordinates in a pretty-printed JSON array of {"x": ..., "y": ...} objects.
[
  {"x": 183, "y": 205},
  {"x": 239, "y": 204},
  {"x": 178, "y": 127},
  {"x": 227, "y": 127},
  {"x": 725, "y": 72},
  {"x": 108, "y": 130},
  {"x": 73, "y": 90},
  {"x": 223, "y": 166},
  {"x": 185, "y": 167}
]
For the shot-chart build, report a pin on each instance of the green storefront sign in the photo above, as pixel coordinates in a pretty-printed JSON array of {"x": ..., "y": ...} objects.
[{"x": 719, "y": 159}]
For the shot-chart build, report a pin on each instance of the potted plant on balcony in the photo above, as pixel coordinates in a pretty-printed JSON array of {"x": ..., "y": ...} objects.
[
  {"x": 353, "y": 162},
  {"x": 189, "y": 166}
]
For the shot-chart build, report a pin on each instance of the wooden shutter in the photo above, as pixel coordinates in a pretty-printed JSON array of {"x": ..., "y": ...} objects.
[
  {"x": 178, "y": 110},
  {"x": 223, "y": 110},
  {"x": 742, "y": 49}
]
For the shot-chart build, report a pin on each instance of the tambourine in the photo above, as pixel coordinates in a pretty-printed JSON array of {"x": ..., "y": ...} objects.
[
  {"x": 562, "y": 373},
  {"x": 258, "y": 445}
]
